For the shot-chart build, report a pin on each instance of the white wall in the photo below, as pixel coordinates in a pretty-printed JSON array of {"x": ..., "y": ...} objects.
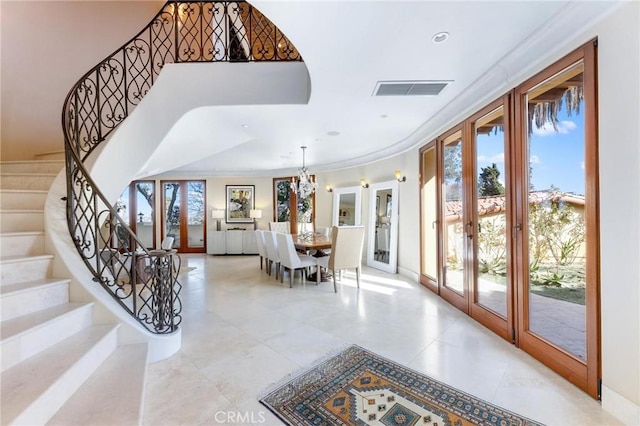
[
  {"x": 408, "y": 202},
  {"x": 35, "y": 81},
  {"x": 619, "y": 142}
]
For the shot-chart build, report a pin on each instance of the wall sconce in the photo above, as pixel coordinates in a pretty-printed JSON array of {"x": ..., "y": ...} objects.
[
  {"x": 255, "y": 214},
  {"x": 399, "y": 177},
  {"x": 363, "y": 183},
  {"x": 329, "y": 188},
  {"x": 140, "y": 216},
  {"x": 217, "y": 215}
]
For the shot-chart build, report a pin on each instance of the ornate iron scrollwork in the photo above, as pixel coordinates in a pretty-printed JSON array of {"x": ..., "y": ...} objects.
[{"x": 145, "y": 282}]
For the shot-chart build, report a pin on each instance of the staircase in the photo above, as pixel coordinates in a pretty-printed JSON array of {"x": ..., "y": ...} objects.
[{"x": 57, "y": 365}]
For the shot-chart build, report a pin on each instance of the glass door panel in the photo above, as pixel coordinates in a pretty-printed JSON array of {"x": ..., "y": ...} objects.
[
  {"x": 452, "y": 226},
  {"x": 556, "y": 211},
  {"x": 172, "y": 206},
  {"x": 145, "y": 223},
  {"x": 429, "y": 217},
  {"x": 490, "y": 287},
  {"x": 195, "y": 214}
]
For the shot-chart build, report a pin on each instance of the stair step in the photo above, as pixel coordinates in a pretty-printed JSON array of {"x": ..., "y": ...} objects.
[
  {"x": 22, "y": 199},
  {"x": 53, "y": 155},
  {"x": 25, "y": 336},
  {"x": 124, "y": 369},
  {"x": 40, "y": 181},
  {"x": 15, "y": 269},
  {"x": 32, "y": 166},
  {"x": 60, "y": 371},
  {"x": 21, "y": 220},
  {"x": 27, "y": 297},
  {"x": 22, "y": 243}
]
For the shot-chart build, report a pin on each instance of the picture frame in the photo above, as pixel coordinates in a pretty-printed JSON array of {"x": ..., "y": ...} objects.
[{"x": 240, "y": 201}]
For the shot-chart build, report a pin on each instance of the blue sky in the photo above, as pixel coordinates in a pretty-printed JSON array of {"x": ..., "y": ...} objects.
[{"x": 556, "y": 157}]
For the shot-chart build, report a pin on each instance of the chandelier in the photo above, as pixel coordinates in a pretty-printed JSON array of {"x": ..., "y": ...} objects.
[{"x": 304, "y": 187}]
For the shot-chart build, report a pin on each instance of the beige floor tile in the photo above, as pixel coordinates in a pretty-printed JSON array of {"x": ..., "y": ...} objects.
[{"x": 243, "y": 332}]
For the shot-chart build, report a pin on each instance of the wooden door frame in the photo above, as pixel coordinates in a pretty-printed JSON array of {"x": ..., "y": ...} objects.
[
  {"x": 456, "y": 299},
  {"x": 293, "y": 209},
  {"x": 184, "y": 248},
  {"x": 584, "y": 374},
  {"x": 430, "y": 282},
  {"x": 504, "y": 327}
]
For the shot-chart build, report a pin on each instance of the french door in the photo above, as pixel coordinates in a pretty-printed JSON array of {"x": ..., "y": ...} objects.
[
  {"x": 513, "y": 239},
  {"x": 183, "y": 215},
  {"x": 472, "y": 168}
]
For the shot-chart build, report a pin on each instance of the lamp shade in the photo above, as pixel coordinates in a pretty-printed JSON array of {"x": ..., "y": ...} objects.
[
  {"x": 217, "y": 214},
  {"x": 255, "y": 214}
]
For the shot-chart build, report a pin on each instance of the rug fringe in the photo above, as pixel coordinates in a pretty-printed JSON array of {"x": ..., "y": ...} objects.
[{"x": 304, "y": 369}]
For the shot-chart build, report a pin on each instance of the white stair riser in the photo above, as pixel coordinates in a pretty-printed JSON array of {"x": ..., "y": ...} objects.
[
  {"x": 23, "y": 303},
  {"x": 32, "y": 166},
  {"x": 37, "y": 339},
  {"x": 26, "y": 181},
  {"x": 46, "y": 405},
  {"x": 20, "y": 221},
  {"x": 21, "y": 245},
  {"x": 31, "y": 270},
  {"x": 24, "y": 200}
]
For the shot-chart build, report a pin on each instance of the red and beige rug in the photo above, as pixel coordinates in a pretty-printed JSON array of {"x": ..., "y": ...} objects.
[{"x": 358, "y": 387}]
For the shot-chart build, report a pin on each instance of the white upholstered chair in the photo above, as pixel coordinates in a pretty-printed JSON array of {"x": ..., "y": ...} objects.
[
  {"x": 290, "y": 259},
  {"x": 262, "y": 249},
  {"x": 346, "y": 252},
  {"x": 272, "y": 252},
  {"x": 167, "y": 243},
  {"x": 282, "y": 227}
]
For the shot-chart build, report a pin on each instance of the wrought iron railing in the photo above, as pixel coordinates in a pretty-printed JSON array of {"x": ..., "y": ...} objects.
[{"x": 144, "y": 281}]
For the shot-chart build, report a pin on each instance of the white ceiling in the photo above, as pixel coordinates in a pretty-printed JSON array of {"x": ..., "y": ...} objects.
[{"x": 348, "y": 46}]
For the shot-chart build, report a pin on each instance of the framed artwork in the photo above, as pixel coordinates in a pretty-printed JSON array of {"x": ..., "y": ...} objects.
[
  {"x": 240, "y": 200},
  {"x": 389, "y": 206}
]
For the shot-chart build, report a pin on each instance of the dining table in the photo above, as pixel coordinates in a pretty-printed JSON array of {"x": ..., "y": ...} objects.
[{"x": 314, "y": 244}]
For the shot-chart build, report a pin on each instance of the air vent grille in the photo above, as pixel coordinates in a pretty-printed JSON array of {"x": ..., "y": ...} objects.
[{"x": 409, "y": 88}]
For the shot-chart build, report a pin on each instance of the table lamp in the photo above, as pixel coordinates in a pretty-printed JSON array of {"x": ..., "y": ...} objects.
[
  {"x": 255, "y": 214},
  {"x": 217, "y": 215}
]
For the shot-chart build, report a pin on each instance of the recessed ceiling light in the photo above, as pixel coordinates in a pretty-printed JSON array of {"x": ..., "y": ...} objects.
[
  {"x": 333, "y": 133},
  {"x": 383, "y": 115},
  {"x": 440, "y": 37},
  {"x": 246, "y": 126}
]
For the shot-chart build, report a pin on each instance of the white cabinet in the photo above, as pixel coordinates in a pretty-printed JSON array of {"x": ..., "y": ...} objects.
[
  {"x": 216, "y": 242},
  {"x": 232, "y": 242},
  {"x": 249, "y": 242}
]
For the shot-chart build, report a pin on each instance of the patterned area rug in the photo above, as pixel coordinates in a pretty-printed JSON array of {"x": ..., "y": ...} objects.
[{"x": 358, "y": 387}]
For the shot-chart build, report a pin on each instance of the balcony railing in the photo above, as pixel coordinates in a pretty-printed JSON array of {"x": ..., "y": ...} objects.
[{"x": 144, "y": 282}]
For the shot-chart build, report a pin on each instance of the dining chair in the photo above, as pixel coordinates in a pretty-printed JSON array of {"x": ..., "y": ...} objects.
[
  {"x": 262, "y": 249},
  {"x": 167, "y": 243},
  {"x": 346, "y": 252},
  {"x": 291, "y": 259},
  {"x": 272, "y": 252},
  {"x": 283, "y": 227}
]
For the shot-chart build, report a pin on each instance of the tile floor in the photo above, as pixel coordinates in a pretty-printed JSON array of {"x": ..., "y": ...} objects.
[{"x": 243, "y": 331}]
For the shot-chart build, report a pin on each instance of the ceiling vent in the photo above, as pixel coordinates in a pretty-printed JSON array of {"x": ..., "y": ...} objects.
[{"x": 409, "y": 88}]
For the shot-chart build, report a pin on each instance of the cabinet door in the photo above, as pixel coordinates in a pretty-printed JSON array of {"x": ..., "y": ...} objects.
[
  {"x": 249, "y": 242},
  {"x": 216, "y": 242},
  {"x": 234, "y": 242}
]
